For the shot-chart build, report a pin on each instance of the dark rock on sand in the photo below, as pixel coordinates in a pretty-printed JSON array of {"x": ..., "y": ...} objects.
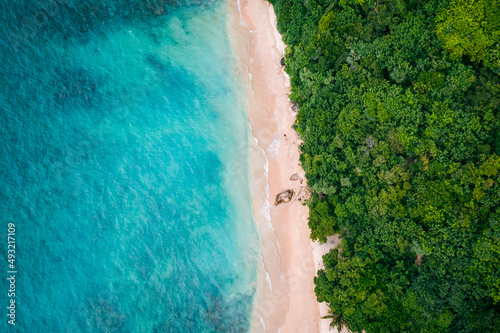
[{"x": 283, "y": 197}]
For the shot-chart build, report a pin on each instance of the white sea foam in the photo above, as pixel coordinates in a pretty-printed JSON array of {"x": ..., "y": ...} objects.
[
  {"x": 266, "y": 212},
  {"x": 274, "y": 148},
  {"x": 263, "y": 325},
  {"x": 242, "y": 21},
  {"x": 268, "y": 279},
  {"x": 266, "y": 208}
]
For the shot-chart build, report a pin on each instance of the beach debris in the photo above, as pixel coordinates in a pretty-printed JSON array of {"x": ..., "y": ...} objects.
[
  {"x": 282, "y": 62},
  {"x": 283, "y": 197},
  {"x": 295, "y": 176}
]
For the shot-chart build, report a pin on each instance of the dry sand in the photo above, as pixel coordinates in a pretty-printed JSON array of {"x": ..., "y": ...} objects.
[{"x": 285, "y": 299}]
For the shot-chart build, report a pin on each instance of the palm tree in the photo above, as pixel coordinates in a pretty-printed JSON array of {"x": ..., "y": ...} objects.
[{"x": 338, "y": 320}]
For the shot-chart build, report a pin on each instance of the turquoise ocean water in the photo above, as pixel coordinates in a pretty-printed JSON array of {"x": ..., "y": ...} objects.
[{"x": 123, "y": 166}]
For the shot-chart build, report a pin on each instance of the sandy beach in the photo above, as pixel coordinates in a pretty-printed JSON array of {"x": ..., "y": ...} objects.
[{"x": 285, "y": 290}]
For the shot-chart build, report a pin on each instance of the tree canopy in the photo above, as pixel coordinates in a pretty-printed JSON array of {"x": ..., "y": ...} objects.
[{"x": 400, "y": 117}]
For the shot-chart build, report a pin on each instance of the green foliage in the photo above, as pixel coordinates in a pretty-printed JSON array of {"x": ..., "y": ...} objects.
[
  {"x": 472, "y": 28},
  {"x": 401, "y": 146},
  {"x": 487, "y": 250},
  {"x": 321, "y": 219}
]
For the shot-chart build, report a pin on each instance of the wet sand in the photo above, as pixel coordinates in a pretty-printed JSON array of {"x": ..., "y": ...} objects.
[{"x": 285, "y": 299}]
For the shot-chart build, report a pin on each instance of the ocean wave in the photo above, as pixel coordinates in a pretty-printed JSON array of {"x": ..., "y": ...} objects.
[
  {"x": 263, "y": 324},
  {"x": 268, "y": 279},
  {"x": 242, "y": 21}
]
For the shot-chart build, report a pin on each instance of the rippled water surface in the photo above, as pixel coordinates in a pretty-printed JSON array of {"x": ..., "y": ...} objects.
[{"x": 123, "y": 166}]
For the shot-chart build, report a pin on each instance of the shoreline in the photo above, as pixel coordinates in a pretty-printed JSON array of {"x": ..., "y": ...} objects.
[{"x": 285, "y": 299}]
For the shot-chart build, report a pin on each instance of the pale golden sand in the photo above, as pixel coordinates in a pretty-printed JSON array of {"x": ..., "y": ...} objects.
[{"x": 285, "y": 290}]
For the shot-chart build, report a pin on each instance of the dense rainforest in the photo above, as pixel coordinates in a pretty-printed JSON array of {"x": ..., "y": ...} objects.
[{"x": 400, "y": 120}]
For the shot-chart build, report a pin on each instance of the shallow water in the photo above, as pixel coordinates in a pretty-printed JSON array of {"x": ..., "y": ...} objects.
[{"x": 124, "y": 168}]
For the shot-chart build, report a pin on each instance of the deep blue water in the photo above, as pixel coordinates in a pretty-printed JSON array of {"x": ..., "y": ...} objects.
[{"x": 123, "y": 166}]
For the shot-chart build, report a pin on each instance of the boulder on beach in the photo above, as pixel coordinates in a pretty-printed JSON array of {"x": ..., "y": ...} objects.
[
  {"x": 295, "y": 176},
  {"x": 283, "y": 197},
  {"x": 304, "y": 194},
  {"x": 282, "y": 62}
]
